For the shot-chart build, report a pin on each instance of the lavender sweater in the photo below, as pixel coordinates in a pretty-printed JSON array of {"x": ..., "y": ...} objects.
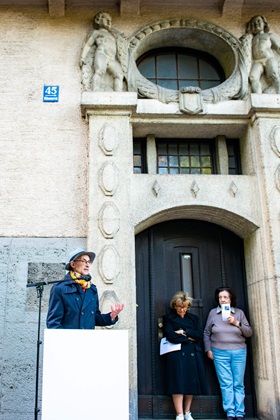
[{"x": 223, "y": 335}]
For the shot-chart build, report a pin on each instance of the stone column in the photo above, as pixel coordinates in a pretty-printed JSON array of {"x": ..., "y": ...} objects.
[
  {"x": 262, "y": 250},
  {"x": 110, "y": 228}
]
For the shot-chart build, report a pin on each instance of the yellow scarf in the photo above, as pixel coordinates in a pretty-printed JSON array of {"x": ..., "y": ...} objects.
[{"x": 83, "y": 283}]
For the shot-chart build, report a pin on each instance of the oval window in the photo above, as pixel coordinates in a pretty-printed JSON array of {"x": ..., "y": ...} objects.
[{"x": 181, "y": 67}]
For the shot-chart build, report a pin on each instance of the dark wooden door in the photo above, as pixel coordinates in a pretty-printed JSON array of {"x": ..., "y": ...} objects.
[{"x": 196, "y": 257}]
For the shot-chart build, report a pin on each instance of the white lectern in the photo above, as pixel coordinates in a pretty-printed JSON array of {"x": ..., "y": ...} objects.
[{"x": 85, "y": 375}]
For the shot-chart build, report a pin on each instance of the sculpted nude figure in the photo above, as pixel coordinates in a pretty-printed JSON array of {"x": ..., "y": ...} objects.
[
  {"x": 104, "y": 44},
  {"x": 264, "y": 60}
]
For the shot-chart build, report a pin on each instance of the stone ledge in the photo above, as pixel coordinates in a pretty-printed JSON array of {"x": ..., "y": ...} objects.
[
  {"x": 112, "y": 101},
  {"x": 265, "y": 102},
  {"x": 127, "y": 101}
]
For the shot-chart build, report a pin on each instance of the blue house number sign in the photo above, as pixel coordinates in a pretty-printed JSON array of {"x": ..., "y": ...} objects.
[{"x": 50, "y": 93}]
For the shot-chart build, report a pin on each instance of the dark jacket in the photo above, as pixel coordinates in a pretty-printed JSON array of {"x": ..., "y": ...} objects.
[
  {"x": 190, "y": 324},
  {"x": 72, "y": 308},
  {"x": 185, "y": 371}
]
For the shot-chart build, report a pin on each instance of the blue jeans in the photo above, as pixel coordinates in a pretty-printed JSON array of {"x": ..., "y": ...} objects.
[{"x": 230, "y": 369}]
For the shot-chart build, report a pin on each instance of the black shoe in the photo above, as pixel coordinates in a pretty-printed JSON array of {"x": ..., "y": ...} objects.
[{"x": 232, "y": 418}]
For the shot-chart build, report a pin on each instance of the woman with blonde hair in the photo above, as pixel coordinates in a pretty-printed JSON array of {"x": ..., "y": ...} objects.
[{"x": 185, "y": 367}]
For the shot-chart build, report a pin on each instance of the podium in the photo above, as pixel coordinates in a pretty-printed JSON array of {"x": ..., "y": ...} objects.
[{"x": 85, "y": 375}]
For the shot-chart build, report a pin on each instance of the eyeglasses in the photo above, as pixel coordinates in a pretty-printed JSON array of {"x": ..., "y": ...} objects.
[
  {"x": 181, "y": 308},
  {"x": 84, "y": 261}
]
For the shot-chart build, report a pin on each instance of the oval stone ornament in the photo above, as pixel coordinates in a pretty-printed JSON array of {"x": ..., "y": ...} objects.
[{"x": 109, "y": 264}]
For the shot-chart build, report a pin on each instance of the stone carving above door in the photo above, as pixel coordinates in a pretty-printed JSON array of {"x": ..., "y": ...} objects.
[
  {"x": 102, "y": 60},
  {"x": 262, "y": 51},
  {"x": 114, "y": 68},
  {"x": 198, "y": 35}
]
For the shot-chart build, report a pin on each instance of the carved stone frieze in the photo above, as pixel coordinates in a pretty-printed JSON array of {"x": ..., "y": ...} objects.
[
  {"x": 195, "y": 34},
  {"x": 115, "y": 64},
  {"x": 108, "y": 139},
  {"x": 108, "y": 178},
  {"x": 109, "y": 220},
  {"x": 109, "y": 264}
]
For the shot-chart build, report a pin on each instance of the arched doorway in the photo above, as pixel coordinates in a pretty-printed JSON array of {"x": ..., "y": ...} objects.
[{"x": 197, "y": 257}]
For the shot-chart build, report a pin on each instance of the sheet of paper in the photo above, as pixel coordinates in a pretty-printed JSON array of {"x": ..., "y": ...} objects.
[{"x": 167, "y": 347}]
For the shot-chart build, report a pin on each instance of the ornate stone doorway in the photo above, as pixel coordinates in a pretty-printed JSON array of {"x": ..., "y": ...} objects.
[{"x": 197, "y": 257}]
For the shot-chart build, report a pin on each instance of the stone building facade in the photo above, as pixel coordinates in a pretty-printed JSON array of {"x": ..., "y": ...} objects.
[{"x": 68, "y": 179}]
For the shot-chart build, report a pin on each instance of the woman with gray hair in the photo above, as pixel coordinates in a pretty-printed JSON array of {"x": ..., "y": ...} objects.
[
  {"x": 184, "y": 368},
  {"x": 225, "y": 343}
]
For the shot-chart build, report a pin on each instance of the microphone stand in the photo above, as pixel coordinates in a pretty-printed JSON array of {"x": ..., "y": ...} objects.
[{"x": 40, "y": 288}]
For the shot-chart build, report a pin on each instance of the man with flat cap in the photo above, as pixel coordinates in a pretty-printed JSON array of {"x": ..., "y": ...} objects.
[{"x": 74, "y": 302}]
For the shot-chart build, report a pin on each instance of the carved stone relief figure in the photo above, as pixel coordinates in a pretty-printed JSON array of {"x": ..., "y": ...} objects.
[
  {"x": 103, "y": 57},
  {"x": 109, "y": 60},
  {"x": 262, "y": 49}
]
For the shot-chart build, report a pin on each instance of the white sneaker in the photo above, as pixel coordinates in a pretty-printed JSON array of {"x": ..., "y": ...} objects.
[
  {"x": 188, "y": 416},
  {"x": 180, "y": 417}
]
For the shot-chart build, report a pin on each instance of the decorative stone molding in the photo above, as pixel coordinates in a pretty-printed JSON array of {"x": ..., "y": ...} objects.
[
  {"x": 199, "y": 35},
  {"x": 277, "y": 178},
  {"x": 274, "y": 138},
  {"x": 233, "y": 189},
  {"x": 109, "y": 264},
  {"x": 156, "y": 188},
  {"x": 195, "y": 188},
  {"x": 108, "y": 139},
  {"x": 108, "y": 178},
  {"x": 190, "y": 100},
  {"x": 109, "y": 220}
]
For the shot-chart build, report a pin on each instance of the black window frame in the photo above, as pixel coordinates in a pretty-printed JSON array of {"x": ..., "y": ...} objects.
[
  {"x": 142, "y": 142},
  {"x": 198, "y": 55},
  {"x": 236, "y": 169},
  {"x": 179, "y": 141}
]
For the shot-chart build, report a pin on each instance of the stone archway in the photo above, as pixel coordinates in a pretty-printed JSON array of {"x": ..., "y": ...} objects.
[{"x": 217, "y": 259}]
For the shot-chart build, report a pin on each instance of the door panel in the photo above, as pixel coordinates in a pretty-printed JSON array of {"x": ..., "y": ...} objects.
[{"x": 216, "y": 257}]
